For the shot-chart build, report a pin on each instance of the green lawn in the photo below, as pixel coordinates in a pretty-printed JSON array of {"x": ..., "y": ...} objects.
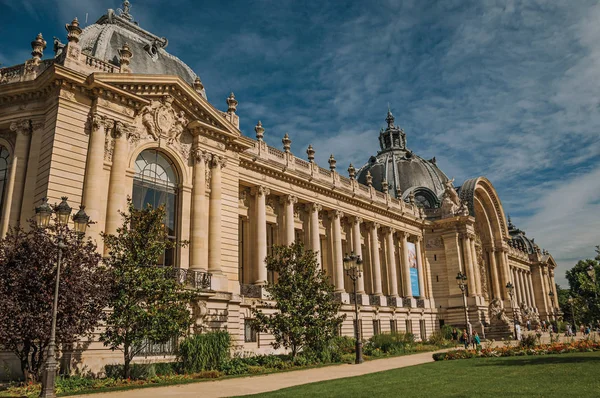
[{"x": 566, "y": 375}]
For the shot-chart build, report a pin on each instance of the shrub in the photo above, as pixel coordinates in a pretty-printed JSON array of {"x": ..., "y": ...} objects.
[
  {"x": 234, "y": 366},
  {"x": 138, "y": 371},
  {"x": 438, "y": 339},
  {"x": 394, "y": 343},
  {"x": 528, "y": 341},
  {"x": 204, "y": 351},
  {"x": 446, "y": 332},
  {"x": 348, "y": 358}
]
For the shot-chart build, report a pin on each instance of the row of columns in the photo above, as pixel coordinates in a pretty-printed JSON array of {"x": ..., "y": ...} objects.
[
  {"x": 314, "y": 243},
  {"x": 523, "y": 284}
]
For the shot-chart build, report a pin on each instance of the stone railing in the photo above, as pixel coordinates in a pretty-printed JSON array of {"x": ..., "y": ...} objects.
[
  {"x": 316, "y": 174},
  {"x": 98, "y": 64},
  {"x": 353, "y": 299},
  {"x": 392, "y": 301},
  {"x": 406, "y": 302},
  {"x": 420, "y": 303}
]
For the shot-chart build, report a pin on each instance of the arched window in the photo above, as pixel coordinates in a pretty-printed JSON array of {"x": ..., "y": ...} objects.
[
  {"x": 155, "y": 183},
  {"x": 4, "y": 165},
  {"x": 426, "y": 198}
]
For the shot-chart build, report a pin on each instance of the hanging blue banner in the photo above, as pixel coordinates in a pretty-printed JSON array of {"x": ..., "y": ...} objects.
[{"x": 414, "y": 270}]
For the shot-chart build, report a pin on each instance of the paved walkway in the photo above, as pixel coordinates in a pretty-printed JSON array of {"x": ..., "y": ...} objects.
[{"x": 271, "y": 382}]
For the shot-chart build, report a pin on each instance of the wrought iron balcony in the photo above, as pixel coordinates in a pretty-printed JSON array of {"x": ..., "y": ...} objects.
[
  {"x": 251, "y": 291},
  {"x": 360, "y": 299},
  {"x": 407, "y": 302},
  {"x": 193, "y": 278},
  {"x": 392, "y": 301},
  {"x": 420, "y": 303},
  {"x": 374, "y": 300}
]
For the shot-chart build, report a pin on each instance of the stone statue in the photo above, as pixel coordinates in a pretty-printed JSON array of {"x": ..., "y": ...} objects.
[
  {"x": 199, "y": 313},
  {"x": 497, "y": 314},
  {"x": 160, "y": 119},
  {"x": 451, "y": 203}
]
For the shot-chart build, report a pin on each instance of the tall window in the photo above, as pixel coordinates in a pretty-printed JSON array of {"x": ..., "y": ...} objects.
[
  {"x": 155, "y": 183},
  {"x": 4, "y": 162}
]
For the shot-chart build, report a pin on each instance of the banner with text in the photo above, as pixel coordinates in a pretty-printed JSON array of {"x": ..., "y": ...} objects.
[{"x": 414, "y": 270}]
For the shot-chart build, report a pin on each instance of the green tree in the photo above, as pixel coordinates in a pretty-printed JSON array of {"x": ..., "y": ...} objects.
[
  {"x": 584, "y": 290},
  {"x": 306, "y": 310},
  {"x": 28, "y": 262},
  {"x": 149, "y": 305}
]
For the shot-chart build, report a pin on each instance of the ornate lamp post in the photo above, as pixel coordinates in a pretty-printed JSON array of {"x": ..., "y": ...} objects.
[
  {"x": 571, "y": 301},
  {"x": 43, "y": 213},
  {"x": 461, "y": 280},
  {"x": 511, "y": 292},
  {"x": 353, "y": 265}
]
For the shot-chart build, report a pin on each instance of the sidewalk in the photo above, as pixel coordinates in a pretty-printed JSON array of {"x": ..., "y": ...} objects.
[{"x": 272, "y": 382}]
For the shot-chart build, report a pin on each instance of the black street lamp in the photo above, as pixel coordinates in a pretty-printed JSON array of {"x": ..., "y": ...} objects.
[
  {"x": 353, "y": 265},
  {"x": 572, "y": 301},
  {"x": 43, "y": 213},
  {"x": 511, "y": 292},
  {"x": 461, "y": 280}
]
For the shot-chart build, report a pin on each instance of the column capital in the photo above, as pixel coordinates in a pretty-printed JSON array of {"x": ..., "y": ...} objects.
[
  {"x": 289, "y": 199},
  {"x": 217, "y": 161},
  {"x": 333, "y": 214},
  {"x": 96, "y": 121},
  {"x": 22, "y": 127},
  {"x": 259, "y": 190},
  {"x": 311, "y": 207},
  {"x": 119, "y": 129},
  {"x": 356, "y": 220},
  {"x": 403, "y": 234},
  {"x": 200, "y": 156},
  {"x": 388, "y": 230}
]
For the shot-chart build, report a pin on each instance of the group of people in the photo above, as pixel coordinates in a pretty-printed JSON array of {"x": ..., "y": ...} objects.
[
  {"x": 466, "y": 339},
  {"x": 585, "y": 330}
]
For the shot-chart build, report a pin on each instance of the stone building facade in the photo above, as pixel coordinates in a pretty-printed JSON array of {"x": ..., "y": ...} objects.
[{"x": 113, "y": 115}]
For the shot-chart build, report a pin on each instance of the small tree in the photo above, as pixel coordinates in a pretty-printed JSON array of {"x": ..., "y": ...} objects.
[
  {"x": 27, "y": 279},
  {"x": 307, "y": 312},
  {"x": 149, "y": 305}
]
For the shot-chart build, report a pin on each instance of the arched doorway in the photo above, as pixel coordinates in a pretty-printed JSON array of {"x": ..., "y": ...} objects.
[{"x": 156, "y": 183}]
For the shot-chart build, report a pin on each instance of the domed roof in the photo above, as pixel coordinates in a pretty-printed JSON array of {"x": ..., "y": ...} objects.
[
  {"x": 106, "y": 37},
  {"x": 404, "y": 171}
]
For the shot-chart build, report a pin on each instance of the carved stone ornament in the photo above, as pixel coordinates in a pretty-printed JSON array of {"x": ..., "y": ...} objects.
[
  {"x": 434, "y": 243},
  {"x": 496, "y": 313},
  {"x": 159, "y": 119},
  {"x": 452, "y": 205},
  {"x": 200, "y": 311}
]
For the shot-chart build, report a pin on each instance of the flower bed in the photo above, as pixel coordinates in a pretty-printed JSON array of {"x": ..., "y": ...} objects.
[{"x": 508, "y": 351}]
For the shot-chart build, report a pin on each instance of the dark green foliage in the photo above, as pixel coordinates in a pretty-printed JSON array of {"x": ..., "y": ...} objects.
[
  {"x": 207, "y": 351},
  {"x": 446, "y": 332},
  {"x": 234, "y": 366},
  {"x": 528, "y": 341},
  {"x": 307, "y": 312},
  {"x": 584, "y": 291},
  {"x": 143, "y": 371},
  {"x": 389, "y": 343},
  {"x": 27, "y": 280},
  {"x": 149, "y": 305}
]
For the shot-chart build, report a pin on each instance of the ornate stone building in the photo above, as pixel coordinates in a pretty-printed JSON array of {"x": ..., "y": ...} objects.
[{"x": 113, "y": 115}]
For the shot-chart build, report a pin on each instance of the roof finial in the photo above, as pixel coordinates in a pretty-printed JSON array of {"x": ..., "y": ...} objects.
[
  {"x": 389, "y": 118},
  {"x": 510, "y": 224},
  {"x": 231, "y": 103},
  {"x": 124, "y": 12}
]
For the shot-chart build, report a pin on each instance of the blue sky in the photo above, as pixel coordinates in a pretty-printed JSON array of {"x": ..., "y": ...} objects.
[{"x": 505, "y": 89}]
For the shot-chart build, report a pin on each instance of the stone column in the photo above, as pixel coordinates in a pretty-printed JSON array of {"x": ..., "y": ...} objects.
[
  {"x": 288, "y": 202},
  {"x": 375, "y": 263},
  {"x": 315, "y": 237},
  {"x": 407, "y": 288},
  {"x": 199, "y": 243},
  {"x": 217, "y": 163},
  {"x": 469, "y": 269},
  {"x": 494, "y": 271},
  {"x": 553, "y": 283},
  {"x": 504, "y": 271},
  {"x": 357, "y": 248},
  {"x": 93, "y": 190},
  {"x": 517, "y": 290},
  {"x": 117, "y": 191},
  {"x": 531, "y": 292},
  {"x": 33, "y": 160},
  {"x": 523, "y": 287},
  {"x": 19, "y": 168},
  {"x": 477, "y": 273},
  {"x": 338, "y": 256},
  {"x": 260, "y": 215},
  {"x": 391, "y": 262},
  {"x": 420, "y": 266}
]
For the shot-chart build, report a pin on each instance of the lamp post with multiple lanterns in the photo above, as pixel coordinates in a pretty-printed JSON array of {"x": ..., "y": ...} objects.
[
  {"x": 511, "y": 292},
  {"x": 43, "y": 214},
  {"x": 353, "y": 265},
  {"x": 461, "y": 280}
]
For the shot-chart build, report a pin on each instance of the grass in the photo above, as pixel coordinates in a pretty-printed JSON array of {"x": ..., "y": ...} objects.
[{"x": 565, "y": 375}]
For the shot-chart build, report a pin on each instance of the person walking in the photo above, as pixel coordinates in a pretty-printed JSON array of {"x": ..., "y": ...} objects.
[
  {"x": 465, "y": 339},
  {"x": 476, "y": 340}
]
